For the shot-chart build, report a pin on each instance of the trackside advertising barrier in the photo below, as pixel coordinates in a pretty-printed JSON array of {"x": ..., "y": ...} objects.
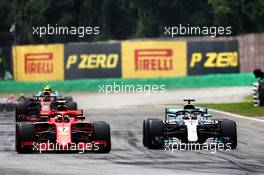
[
  {"x": 213, "y": 57},
  {"x": 38, "y": 62},
  {"x": 127, "y": 59},
  {"x": 148, "y": 59},
  {"x": 92, "y": 60}
]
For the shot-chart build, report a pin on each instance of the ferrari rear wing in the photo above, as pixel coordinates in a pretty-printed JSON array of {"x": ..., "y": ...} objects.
[{"x": 78, "y": 113}]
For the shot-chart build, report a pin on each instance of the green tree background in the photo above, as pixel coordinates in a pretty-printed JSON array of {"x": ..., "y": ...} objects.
[
  {"x": 120, "y": 19},
  {"x": 124, "y": 19}
]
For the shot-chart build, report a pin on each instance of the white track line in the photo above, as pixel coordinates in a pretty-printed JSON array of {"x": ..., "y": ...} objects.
[
  {"x": 2, "y": 130},
  {"x": 238, "y": 116}
]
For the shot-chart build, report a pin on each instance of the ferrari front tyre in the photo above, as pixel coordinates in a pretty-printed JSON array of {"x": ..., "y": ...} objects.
[
  {"x": 20, "y": 111},
  {"x": 228, "y": 130},
  {"x": 25, "y": 132},
  {"x": 102, "y": 133}
]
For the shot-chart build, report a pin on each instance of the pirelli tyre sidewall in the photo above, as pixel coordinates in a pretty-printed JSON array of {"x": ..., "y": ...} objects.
[
  {"x": 229, "y": 130},
  {"x": 146, "y": 134},
  {"x": 20, "y": 111},
  {"x": 25, "y": 132},
  {"x": 102, "y": 133},
  {"x": 153, "y": 132},
  {"x": 145, "y": 130}
]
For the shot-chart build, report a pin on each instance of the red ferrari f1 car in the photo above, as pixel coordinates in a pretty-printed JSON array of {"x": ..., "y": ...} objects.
[
  {"x": 65, "y": 130},
  {"x": 31, "y": 108}
]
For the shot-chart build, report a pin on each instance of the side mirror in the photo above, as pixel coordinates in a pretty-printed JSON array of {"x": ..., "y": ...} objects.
[
  {"x": 80, "y": 117},
  {"x": 207, "y": 116},
  {"x": 44, "y": 116},
  {"x": 171, "y": 115}
]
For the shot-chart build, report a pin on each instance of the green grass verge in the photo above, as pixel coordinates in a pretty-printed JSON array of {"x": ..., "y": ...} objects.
[
  {"x": 243, "y": 108},
  {"x": 92, "y": 85}
]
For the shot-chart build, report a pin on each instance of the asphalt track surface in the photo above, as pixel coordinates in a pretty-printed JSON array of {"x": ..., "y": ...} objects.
[{"x": 129, "y": 156}]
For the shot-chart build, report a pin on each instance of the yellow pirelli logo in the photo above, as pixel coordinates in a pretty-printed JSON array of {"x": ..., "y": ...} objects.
[
  {"x": 38, "y": 62},
  {"x": 153, "y": 59},
  {"x": 147, "y": 59}
]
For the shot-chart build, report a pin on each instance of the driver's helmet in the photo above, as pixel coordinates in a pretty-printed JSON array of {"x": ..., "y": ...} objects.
[
  {"x": 46, "y": 90},
  {"x": 58, "y": 118},
  {"x": 189, "y": 106}
]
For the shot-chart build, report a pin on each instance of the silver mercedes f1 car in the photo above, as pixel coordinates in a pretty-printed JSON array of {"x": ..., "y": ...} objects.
[{"x": 188, "y": 125}]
